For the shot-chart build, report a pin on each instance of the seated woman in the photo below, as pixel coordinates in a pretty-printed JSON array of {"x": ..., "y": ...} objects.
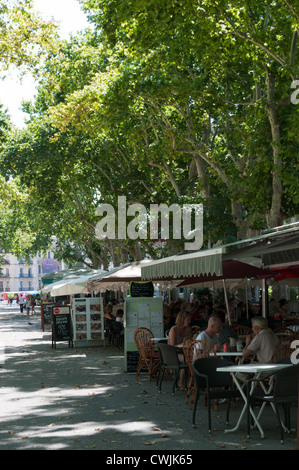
[
  {"x": 177, "y": 334},
  {"x": 181, "y": 329}
]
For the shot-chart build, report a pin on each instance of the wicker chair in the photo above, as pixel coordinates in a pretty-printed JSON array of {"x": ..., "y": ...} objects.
[
  {"x": 242, "y": 330},
  {"x": 283, "y": 331},
  {"x": 148, "y": 357},
  {"x": 195, "y": 330},
  {"x": 195, "y": 349},
  {"x": 148, "y": 330},
  {"x": 283, "y": 349}
]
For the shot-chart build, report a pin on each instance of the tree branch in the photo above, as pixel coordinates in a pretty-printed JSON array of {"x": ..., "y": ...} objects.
[
  {"x": 292, "y": 9},
  {"x": 238, "y": 33}
]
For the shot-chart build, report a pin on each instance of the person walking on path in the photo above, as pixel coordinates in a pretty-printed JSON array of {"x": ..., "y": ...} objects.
[
  {"x": 28, "y": 306},
  {"x": 32, "y": 304},
  {"x": 21, "y": 303}
]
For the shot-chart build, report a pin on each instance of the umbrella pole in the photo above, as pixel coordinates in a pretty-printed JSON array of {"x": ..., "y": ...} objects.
[
  {"x": 298, "y": 420},
  {"x": 264, "y": 288},
  {"x": 246, "y": 297},
  {"x": 226, "y": 302},
  {"x": 214, "y": 293}
]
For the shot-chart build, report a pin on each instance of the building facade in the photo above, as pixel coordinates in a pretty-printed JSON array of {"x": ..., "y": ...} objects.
[{"x": 18, "y": 276}]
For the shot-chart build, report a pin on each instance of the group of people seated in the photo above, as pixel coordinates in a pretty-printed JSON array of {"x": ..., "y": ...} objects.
[
  {"x": 241, "y": 314},
  {"x": 201, "y": 311},
  {"x": 198, "y": 312},
  {"x": 259, "y": 344}
]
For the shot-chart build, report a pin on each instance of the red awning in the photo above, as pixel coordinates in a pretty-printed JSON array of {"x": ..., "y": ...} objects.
[{"x": 285, "y": 272}]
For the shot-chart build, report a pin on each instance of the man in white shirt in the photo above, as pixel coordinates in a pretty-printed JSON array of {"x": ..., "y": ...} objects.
[
  {"x": 210, "y": 334},
  {"x": 263, "y": 341}
]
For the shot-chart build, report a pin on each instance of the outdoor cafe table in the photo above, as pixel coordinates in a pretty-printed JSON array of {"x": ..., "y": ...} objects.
[
  {"x": 253, "y": 368},
  {"x": 229, "y": 354},
  {"x": 157, "y": 340}
]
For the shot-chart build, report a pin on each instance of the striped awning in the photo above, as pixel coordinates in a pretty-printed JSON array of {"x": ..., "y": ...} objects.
[{"x": 181, "y": 266}]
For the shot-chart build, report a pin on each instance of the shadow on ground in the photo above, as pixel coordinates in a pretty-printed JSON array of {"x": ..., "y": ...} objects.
[{"x": 81, "y": 398}]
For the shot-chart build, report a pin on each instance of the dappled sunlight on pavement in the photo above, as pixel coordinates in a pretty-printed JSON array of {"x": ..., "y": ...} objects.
[{"x": 81, "y": 398}]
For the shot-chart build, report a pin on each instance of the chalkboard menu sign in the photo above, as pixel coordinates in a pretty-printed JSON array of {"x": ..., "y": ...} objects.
[
  {"x": 61, "y": 325},
  {"x": 46, "y": 314},
  {"x": 142, "y": 289}
]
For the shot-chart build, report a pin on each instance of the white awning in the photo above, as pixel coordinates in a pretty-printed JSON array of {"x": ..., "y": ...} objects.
[
  {"x": 74, "y": 285},
  {"x": 119, "y": 277}
]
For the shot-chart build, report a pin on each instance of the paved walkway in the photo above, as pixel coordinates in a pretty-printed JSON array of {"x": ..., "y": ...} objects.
[{"x": 81, "y": 399}]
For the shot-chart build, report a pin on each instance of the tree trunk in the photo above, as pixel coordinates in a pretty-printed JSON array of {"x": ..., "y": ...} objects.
[
  {"x": 201, "y": 167},
  {"x": 274, "y": 215}
]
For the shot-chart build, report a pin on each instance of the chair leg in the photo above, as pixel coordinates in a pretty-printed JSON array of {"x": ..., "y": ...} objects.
[
  {"x": 138, "y": 369},
  {"x": 227, "y": 411},
  {"x": 190, "y": 388},
  {"x": 162, "y": 376},
  {"x": 158, "y": 375},
  {"x": 193, "y": 392},
  {"x": 175, "y": 380},
  {"x": 152, "y": 368},
  {"x": 194, "y": 408},
  {"x": 287, "y": 416},
  {"x": 186, "y": 378},
  {"x": 150, "y": 372},
  {"x": 209, "y": 414},
  {"x": 279, "y": 422},
  {"x": 248, "y": 415}
]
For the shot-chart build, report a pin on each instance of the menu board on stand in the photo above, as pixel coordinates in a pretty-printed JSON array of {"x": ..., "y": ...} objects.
[
  {"x": 46, "y": 314},
  {"x": 142, "y": 289},
  {"x": 141, "y": 312},
  {"x": 61, "y": 325},
  {"x": 88, "y": 320}
]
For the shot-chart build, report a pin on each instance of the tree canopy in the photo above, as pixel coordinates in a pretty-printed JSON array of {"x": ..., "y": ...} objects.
[
  {"x": 163, "y": 102},
  {"x": 24, "y": 36}
]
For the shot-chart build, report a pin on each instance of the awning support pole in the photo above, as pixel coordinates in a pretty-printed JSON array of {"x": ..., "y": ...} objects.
[
  {"x": 226, "y": 302},
  {"x": 264, "y": 287},
  {"x": 246, "y": 297}
]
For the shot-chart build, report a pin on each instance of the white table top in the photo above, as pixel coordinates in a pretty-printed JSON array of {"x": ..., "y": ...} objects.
[
  {"x": 227, "y": 353},
  {"x": 156, "y": 340},
  {"x": 253, "y": 368}
]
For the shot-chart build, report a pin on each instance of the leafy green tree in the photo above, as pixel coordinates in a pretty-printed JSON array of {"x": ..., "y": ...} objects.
[
  {"x": 170, "y": 101},
  {"x": 24, "y": 36},
  {"x": 246, "y": 52}
]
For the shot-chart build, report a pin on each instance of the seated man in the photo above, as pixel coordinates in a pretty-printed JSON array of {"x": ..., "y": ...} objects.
[
  {"x": 263, "y": 341},
  {"x": 210, "y": 335}
]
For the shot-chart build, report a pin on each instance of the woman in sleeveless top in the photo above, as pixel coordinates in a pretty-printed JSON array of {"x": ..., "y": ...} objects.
[{"x": 177, "y": 334}]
